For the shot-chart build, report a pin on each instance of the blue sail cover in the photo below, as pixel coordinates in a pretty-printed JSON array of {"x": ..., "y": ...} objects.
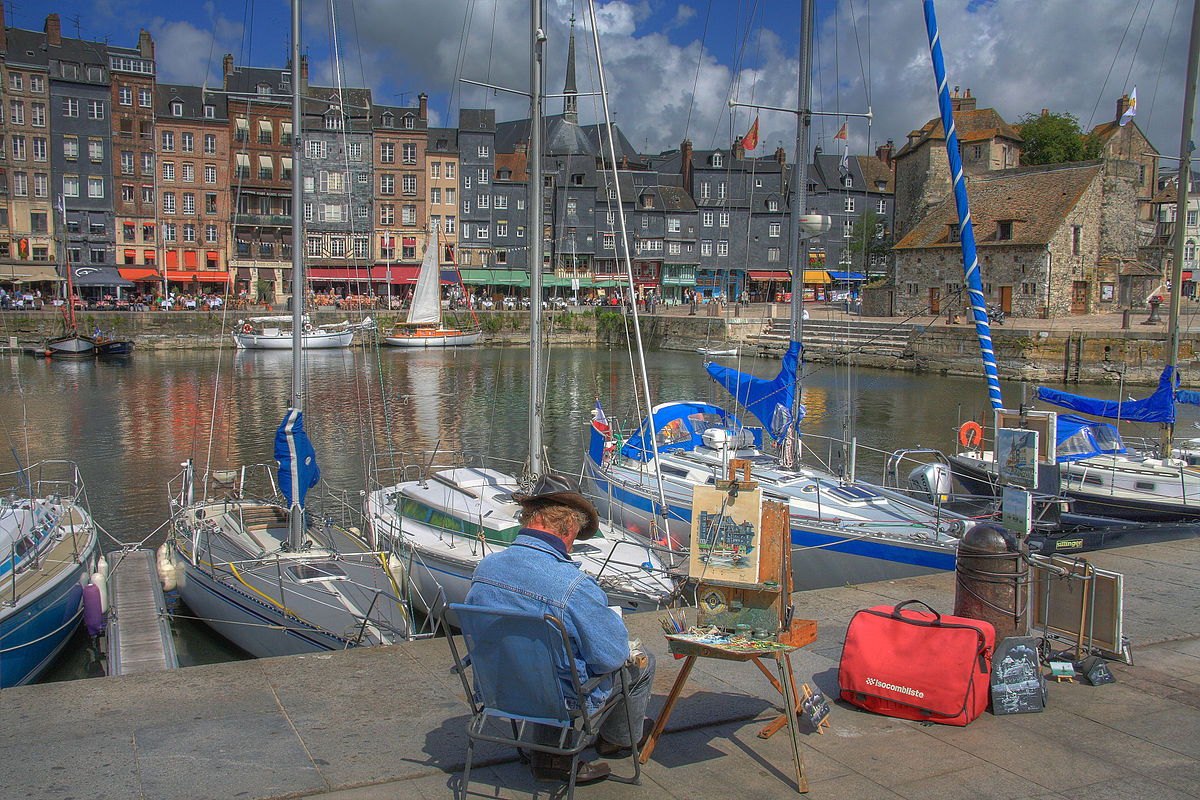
[
  {"x": 1078, "y": 438},
  {"x": 298, "y": 470},
  {"x": 770, "y": 401},
  {"x": 1158, "y": 407},
  {"x": 680, "y": 426}
]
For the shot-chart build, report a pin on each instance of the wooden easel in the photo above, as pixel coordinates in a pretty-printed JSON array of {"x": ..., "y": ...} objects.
[{"x": 732, "y": 603}]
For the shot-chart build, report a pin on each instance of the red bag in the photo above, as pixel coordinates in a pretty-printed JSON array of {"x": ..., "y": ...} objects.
[{"x": 917, "y": 665}]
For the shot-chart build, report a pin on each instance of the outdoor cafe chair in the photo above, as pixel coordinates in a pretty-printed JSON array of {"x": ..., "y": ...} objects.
[{"x": 514, "y": 689}]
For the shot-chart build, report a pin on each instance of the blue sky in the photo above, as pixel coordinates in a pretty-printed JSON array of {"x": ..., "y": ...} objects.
[{"x": 672, "y": 66}]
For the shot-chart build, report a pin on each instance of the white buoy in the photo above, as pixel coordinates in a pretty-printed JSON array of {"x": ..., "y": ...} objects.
[
  {"x": 100, "y": 581},
  {"x": 102, "y": 566},
  {"x": 166, "y": 569},
  {"x": 398, "y": 571}
]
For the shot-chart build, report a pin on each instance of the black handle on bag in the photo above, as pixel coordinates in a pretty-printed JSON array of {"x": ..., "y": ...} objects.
[{"x": 896, "y": 611}]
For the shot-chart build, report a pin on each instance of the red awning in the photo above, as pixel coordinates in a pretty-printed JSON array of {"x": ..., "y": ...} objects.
[
  {"x": 1187, "y": 274},
  {"x": 347, "y": 274},
  {"x": 139, "y": 274},
  {"x": 189, "y": 259},
  {"x": 202, "y": 276},
  {"x": 770, "y": 275},
  {"x": 172, "y": 259},
  {"x": 404, "y": 274}
]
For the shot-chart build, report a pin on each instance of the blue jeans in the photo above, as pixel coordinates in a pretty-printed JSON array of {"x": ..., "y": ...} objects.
[{"x": 615, "y": 729}]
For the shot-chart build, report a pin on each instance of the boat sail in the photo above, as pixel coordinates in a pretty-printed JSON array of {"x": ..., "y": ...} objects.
[
  {"x": 445, "y": 520},
  {"x": 71, "y": 343},
  {"x": 423, "y": 326},
  {"x": 248, "y": 558}
]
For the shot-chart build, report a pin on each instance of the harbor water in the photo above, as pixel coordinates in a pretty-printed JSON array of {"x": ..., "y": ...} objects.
[{"x": 131, "y": 424}]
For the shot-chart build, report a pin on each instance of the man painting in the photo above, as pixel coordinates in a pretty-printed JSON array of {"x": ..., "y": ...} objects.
[{"x": 536, "y": 574}]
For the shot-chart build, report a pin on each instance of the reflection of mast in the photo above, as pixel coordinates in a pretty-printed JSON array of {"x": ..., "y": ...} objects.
[{"x": 62, "y": 207}]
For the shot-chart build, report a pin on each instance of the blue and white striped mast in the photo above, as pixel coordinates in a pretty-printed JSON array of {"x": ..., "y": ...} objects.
[{"x": 966, "y": 232}]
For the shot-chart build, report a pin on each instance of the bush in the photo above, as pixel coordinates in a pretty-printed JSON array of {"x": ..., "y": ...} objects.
[{"x": 493, "y": 324}]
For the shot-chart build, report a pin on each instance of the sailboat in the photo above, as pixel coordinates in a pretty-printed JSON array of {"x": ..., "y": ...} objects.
[
  {"x": 423, "y": 326},
  {"x": 246, "y": 555},
  {"x": 48, "y": 548},
  {"x": 273, "y": 333},
  {"x": 1096, "y": 470},
  {"x": 71, "y": 343},
  {"x": 842, "y": 531},
  {"x": 442, "y": 520}
]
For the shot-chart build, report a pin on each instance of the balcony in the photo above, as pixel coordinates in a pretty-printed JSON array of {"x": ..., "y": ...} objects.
[{"x": 262, "y": 219}]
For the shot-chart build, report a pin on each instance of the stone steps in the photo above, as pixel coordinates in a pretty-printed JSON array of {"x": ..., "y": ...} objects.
[{"x": 835, "y": 339}]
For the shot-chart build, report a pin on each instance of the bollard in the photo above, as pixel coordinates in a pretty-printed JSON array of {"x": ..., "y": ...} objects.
[{"x": 992, "y": 580}]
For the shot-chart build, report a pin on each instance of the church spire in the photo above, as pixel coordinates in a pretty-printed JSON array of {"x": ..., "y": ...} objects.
[{"x": 570, "y": 101}]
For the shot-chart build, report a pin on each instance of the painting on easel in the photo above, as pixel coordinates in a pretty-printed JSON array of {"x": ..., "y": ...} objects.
[{"x": 725, "y": 535}]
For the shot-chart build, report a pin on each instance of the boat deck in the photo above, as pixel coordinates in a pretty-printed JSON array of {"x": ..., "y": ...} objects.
[
  {"x": 63, "y": 552},
  {"x": 139, "y": 634}
]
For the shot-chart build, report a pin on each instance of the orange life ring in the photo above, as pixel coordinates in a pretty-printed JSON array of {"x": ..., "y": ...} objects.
[
  {"x": 247, "y": 328},
  {"x": 970, "y": 434},
  {"x": 308, "y": 327}
]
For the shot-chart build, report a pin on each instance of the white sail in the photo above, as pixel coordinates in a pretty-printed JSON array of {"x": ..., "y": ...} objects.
[{"x": 426, "y": 302}]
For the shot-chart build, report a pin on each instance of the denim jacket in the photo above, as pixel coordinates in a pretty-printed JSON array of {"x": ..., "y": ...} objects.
[{"x": 529, "y": 575}]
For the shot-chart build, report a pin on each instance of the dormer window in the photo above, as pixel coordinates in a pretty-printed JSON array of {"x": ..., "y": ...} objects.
[
  {"x": 176, "y": 109},
  {"x": 210, "y": 112},
  {"x": 409, "y": 122},
  {"x": 264, "y": 90},
  {"x": 952, "y": 233},
  {"x": 577, "y": 179},
  {"x": 388, "y": 119},
  {"x": 333, "y": 121},
  {"x": 647, "y": 200},
  {"x": 848, "y": 182},
  {"x": 1004, "y": 230},
  {"x": 717, "y": 160}
]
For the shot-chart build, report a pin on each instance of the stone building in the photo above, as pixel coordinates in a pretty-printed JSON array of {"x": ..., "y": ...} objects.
[
  {"x": 922, "y": 170},
  {"x": 337, "y": 190},
  {"x": 402, "y": 188},
  {"x": 1051, "y": 241},
  {"x": 192, "y": 131},
  {"x": 28, "y": 221},
  {"x": 132, "y": 73}
]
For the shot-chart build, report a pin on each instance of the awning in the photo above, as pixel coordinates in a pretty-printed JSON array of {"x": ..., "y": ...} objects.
[
  {"x": 450, "y": 276},
  {"x": 496, "y": 277},
  {"x": 28, "y": 273},
  {"x": 243, "y": 273},
  {"x": 345, "y": 274},
  {"x": 286, "y": 128},
  {"x": 846, "y": 276},
  {"x": 203, "y": 276},
  {"x": 401, "y": 273},
  {"x": 1187, "y": 274},
  {"x": 264, "y": 126},
  {"x": 189, "y": 259},
  {"x": 287, "y": 164},
  {"x": 139, "y": 274},
  {"x": 816, "y": 276},
  {"x": 243, "y": 160},
  {"x": 241, "y": 123},
  {"x": 265, "y": 162},
  {"x": 90, "y": 275},
  {"x": 770, "y": 275},
  {"x": 265, "y": 274}
]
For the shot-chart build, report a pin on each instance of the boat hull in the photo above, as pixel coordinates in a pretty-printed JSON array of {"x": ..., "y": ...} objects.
[
  {"x": 312, "y": 340},
  {"x": 119, "y": 347},
  {"x": 71, "y": 346},
  {"x": 436, "y": 339}
]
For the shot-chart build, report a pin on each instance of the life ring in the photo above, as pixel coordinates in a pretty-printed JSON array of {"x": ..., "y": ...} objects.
[
  {"x": 308, "y": 327},
  {"x": 247, "y": 328},
  {"x": 970, "y": 434}
]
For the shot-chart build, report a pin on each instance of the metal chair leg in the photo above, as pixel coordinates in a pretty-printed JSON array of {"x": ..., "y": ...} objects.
[{"x": 467, "y": 768}]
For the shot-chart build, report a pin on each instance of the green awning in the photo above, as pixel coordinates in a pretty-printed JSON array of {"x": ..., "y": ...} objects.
[{"x": 495, "y": 277}]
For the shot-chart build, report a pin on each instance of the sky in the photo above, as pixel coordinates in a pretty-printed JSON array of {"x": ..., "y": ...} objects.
[{"x": 672, "y": 67}]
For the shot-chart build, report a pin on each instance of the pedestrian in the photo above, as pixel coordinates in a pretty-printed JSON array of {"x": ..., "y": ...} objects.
[{"x": 536, "y": 574}]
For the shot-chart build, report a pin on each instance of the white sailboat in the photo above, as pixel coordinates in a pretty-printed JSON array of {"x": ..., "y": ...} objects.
[
  {"x": 275, "y": 333},
  {"x": 442, "y": 521},
  {"x": 423, "y": 326},
  {"x": 246, "y": 556}
]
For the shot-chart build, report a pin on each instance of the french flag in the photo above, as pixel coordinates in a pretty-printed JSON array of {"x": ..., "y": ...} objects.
[{"x": 599, "y": 421}]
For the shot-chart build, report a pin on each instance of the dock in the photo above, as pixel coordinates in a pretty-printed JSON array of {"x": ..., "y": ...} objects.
[
  {"x": 139, "y": 633},
  {"x": 388, "y": 722}
]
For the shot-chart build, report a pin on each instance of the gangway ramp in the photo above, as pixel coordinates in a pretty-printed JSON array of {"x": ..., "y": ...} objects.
[{"x": 139, "y": 633}]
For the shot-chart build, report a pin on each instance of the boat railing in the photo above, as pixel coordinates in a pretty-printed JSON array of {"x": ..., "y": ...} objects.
[{"x": 391, "y": 467}]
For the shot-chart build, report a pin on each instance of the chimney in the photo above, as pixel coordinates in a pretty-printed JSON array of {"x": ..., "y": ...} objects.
[
  {"x": 145, "y": 44},
  {"x": 1122, "y": 106},
  {"x": 227, "y": 65},
  {"x": 685, "y": 164},
  {"x": 53, "y": 31},
  {"x": 303, "y": 73},
  {"x": 962, "y": 102},
  {"x": 781, "y": 156},
  {"x": 422, "y": 106},
  {"x": 737, "y": 151},
  {"x": 3, "y": 31},
  {"x": 884, "y": 152},
  {"x": 1045, "y": 112}
]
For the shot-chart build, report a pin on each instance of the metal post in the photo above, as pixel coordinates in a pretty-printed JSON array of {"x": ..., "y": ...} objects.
[{"x": 536, "y": 65}]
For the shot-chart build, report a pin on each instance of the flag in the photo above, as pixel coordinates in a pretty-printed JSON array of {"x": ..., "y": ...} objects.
[
  {"x": 750, "y": 140},
  {"x": 841, "y": 134},
  {"x": 599, "y": 421},
  {"x": 1131, "y": 109},
  {"x": 844, "y": 164}
]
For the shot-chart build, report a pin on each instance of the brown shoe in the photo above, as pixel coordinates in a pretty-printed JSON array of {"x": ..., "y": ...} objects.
[
  {"x": 557, "y": 769},
  {"x": 606, "y": 749}
]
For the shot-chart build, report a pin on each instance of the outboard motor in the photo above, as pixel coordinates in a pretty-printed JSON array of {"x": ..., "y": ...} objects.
[{"x": 932, "y": 480}]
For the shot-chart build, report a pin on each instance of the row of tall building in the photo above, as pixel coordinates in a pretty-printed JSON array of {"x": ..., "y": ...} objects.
[{"x": 190, "y": 187}]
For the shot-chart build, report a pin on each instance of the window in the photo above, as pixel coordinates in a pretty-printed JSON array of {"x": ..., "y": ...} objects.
[
  {"x": 71, "y": 185},
  {"x": 501, "y": 201},
  {"x": 316, "y": 149},
  {"x": 483, "y": 175},
  {"x": 95, "y": 186},
  {"x": 95, "y": 109},
  {"x": 39, "y": 115},
  {"x": 721, "y": 190},
  {"x": 313, "y": 245},
  {"x": 571, "y": 205},
  {"x": 168, "y": 204},
  {"x": 266, "y": 132},
  {"x": 189, "y": 232},
  {"x": 848, "y": 206},
  {"x": 387, "y": 214},
  {"x": 39, "y": 148},
  {"x": 449, "y": 169},
  {"x": 210, "y": 112},
  {"x": 1192, "y": 216},
  {"x": 672, "y": 225},
  {"x": 387, "y": 152},
  {"x": 127, "y": 193},
  {"x": 95, "y": 150},
  {"x": 449, "y": 196},
  {"x": 97, "y": 255},
  {"x": 410, "y": 184},
  {"x": 189, "y": 203},
  {"x": 717, "y": 160},
  {"x": 706, "y": 219},
  {"x": 674, "y": 248},
  {"x": 70, "y": 106},
  {"x": 168, "y": 141},
  {"x": 16, "y": 112},
  {"x": 210, "y": 173},
  {"x": 41, "y": 184},
  {"x": 408, "y": 215},
  {"x": 15, "y": 81},
  {"x": 37, "y": 84},
  {"x": 308, "y": 212},
  {"x": 772, "y": 254},
  {"x": 481, "y": 231},
  {"x": 466, "y": 181},
  {"x": 848, "y": 228},
  {"x": 337, "y": 245},
  {"x": 210, "y": 143},
  {"x": 466, "y": 232},
  {"x": 484, "y": 201},
  {"x": 645, "y": 223},
  {"x": 409, "y": 153},
  {"x": 18, "y": 147},
  {"x": 848, "y": 181},
  {"x": 1077, "y": 238},
  {"x": 435, "y": 195},
  {"x": 168, "y": 170},
  {"x": 387, "y": 248},
  {"x": 1004, "y": 229},
  {"x": 706, "y": 247},
  {"x": 484, "y": 151},
  {"x": 210, "y": 203},
  {"x": 724, "y": 219},
  {"x": 387, "y": 183},
  {"x": 772, "y": 204},
  {"x": 144, "y": 98},
  {"x": 450, "y": 225},
  {"x": 882, "y": 207},
  {"x": 147, "y": 163},
  {"x": 187, "y": 142},
  {"x": 501, "y": 229},
  {"x": 773, "y": 229},
  {"x": 126, "y": 162},
  {"x": 435, "y": 169},
  {"x": 722, "y": 247},
  {"x": 354, "y": 151}
]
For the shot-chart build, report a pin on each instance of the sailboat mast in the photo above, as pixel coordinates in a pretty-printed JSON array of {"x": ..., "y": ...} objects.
[
  {"x": 1185, "y": 178},
  {"x": 296, "y": 512},
  {"x": 62, "y": 207},
  {"x": 536, "y": 393}
]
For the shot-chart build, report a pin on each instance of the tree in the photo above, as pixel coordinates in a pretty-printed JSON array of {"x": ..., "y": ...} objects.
[
  {"x": 1055, "y": 139},
  {"x": 870, "y": 243}
]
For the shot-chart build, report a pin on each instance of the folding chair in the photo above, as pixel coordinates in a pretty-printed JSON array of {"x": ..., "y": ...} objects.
[{"x": 514, "y": 658}]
